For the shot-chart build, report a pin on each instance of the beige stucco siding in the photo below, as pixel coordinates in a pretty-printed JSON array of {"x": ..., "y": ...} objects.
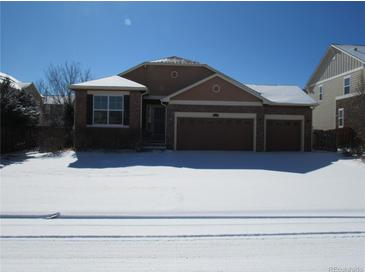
[
  {"x": 228, "y": 92},
  {"x": 324, "y": 115}
]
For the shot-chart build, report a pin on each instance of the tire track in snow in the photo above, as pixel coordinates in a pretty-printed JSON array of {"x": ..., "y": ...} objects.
[{"x": 357, "y": 233}]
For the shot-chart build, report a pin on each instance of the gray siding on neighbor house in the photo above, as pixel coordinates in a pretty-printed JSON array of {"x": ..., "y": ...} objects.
[
  {"x": 334, "y": 63},
  {"x": 324, "y": 115},
  {"x": 338, "y": 64}
]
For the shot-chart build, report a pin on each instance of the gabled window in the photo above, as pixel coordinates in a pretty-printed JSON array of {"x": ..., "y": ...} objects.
[
  {"x": 108, "y": 110},
  {"x": 340, "y": 117},
  {"x": 320, "y": 93},
  {"x": 346, "y": 84}
]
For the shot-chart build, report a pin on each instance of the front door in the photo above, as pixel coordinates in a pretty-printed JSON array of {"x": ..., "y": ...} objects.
[{"x": 156, "y": 122}]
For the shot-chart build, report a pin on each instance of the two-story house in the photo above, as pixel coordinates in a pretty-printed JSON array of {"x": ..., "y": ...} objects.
[{"x": 338, "y": 85}]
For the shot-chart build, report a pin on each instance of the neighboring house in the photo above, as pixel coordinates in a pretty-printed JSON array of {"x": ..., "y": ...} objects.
[
  {"x": 53, "y": 111},
  {"x": 50, "y": 107},
  {"x": 338, "y": 86},
  {"x": 185, "y": 105},
  {"x": 26, "y": 87}
]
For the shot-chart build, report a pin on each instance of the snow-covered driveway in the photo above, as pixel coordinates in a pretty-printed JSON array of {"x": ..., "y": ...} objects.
[{"x": 183, "y": 183}]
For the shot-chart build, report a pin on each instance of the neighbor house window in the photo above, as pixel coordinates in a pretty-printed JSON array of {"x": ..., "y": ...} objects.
[
  {"x": 320, "y": 93},
  {"x": 340, "y": 117},
  {"x": 108, "y": 110},
  {"x": 346, "y": 84}
]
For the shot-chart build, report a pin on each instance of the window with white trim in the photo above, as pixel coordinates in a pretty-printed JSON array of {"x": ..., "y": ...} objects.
[
  {"x": 320, "y": 93},
  {"x": 340, "y": 117},
  {"x": 108, "y": 110},
  {"x": 346, "y": 84}
]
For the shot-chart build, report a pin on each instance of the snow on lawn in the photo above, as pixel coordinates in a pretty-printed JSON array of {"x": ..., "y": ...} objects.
[{"x": 183, "y": 183}]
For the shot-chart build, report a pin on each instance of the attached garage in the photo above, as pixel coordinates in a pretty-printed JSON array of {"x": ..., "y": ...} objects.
[
  {"x": 215, "y": 133},
  {"x": 283, "y": 135}
]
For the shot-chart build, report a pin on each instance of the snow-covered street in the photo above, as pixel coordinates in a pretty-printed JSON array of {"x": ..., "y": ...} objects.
[
  {"x": 180, "y": 211},
  {"x": 309, "y": 253},
  {"x": 182, "y": 244}
]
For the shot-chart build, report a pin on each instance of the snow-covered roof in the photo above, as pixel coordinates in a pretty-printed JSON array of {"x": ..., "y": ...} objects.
[
  {"x": 110, "y": 83},
  {"x": 14, "y": 82},
  {"x": 54, "y": 99},
  {"x": 357, "y": 51},
  {"x": 284, "y": 95},
  {"x": 175, "y": 60}
]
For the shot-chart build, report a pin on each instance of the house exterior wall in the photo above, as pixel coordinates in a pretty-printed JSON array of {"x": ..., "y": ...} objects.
[
  {"x": 338, "y": 63},
  {"x": 228, "y": 92},
  {"x": 354, "y": 114},
  {"x": 89, "y": 136},
  {"x": 324, "y": 115},
  {"x": 260, "y": 112},
  {"x": 159, "y": 81}
]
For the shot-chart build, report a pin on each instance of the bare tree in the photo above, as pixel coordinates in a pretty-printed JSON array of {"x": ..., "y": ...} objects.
[{"x": 56, "y": 83}]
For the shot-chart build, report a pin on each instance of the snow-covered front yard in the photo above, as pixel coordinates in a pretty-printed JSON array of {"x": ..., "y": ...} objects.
[
  {"x": 182, "y": 211},
  {"x": 182, "y": 183}
]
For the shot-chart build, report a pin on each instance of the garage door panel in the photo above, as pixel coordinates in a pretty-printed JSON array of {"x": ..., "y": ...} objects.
[
  {"x": 283, "y": 135},
  {"x": 214, "y": 134}
]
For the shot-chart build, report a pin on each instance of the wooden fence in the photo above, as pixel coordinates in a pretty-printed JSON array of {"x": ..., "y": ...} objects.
[
  {"x": 44, "y": 138},
  {"x": 330, "y": 140}
]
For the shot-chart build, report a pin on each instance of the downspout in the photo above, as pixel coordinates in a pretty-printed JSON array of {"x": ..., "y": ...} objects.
[
  {"x": 165, "y": 105},
  {"x": 141, "y": 115}
]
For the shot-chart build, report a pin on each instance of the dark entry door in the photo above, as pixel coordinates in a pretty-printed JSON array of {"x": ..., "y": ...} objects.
[
  {"x": 158, "y": 120},
  {"x": 284, "y": 135},
  {"x": 155, "y": 123},
  {"x": 214, "y": 134}
]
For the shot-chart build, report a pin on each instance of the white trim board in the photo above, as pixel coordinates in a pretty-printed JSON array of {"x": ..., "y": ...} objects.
[
  {"x": 214, "y": 103},
  {"x": 108, "y": 92},
  {"x": 285, "y": 117},
  {"x": 340, "y": 110},
  {"x": 336, "y": 76},
  {"x": 222, "y": 115},
  {"x": 346, "y": 96}
]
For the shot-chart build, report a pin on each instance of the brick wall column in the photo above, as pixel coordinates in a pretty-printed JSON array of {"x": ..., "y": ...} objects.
[
  {"x": 260, "y": 135},
  {"x": 80, "y": 109},
  {"x": 135, "y": 110}
]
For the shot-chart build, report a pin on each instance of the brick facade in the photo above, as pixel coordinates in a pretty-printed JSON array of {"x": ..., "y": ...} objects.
[
  {"x": 100, "y": 137},
  {"x": 260, "y": 111},
  {"x": 354, "y": 114}
]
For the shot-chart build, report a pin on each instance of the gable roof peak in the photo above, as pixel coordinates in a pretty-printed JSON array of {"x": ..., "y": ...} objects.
[
  {"x": 175, "y": 60},
  {"x": 356, "y": 51}
]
